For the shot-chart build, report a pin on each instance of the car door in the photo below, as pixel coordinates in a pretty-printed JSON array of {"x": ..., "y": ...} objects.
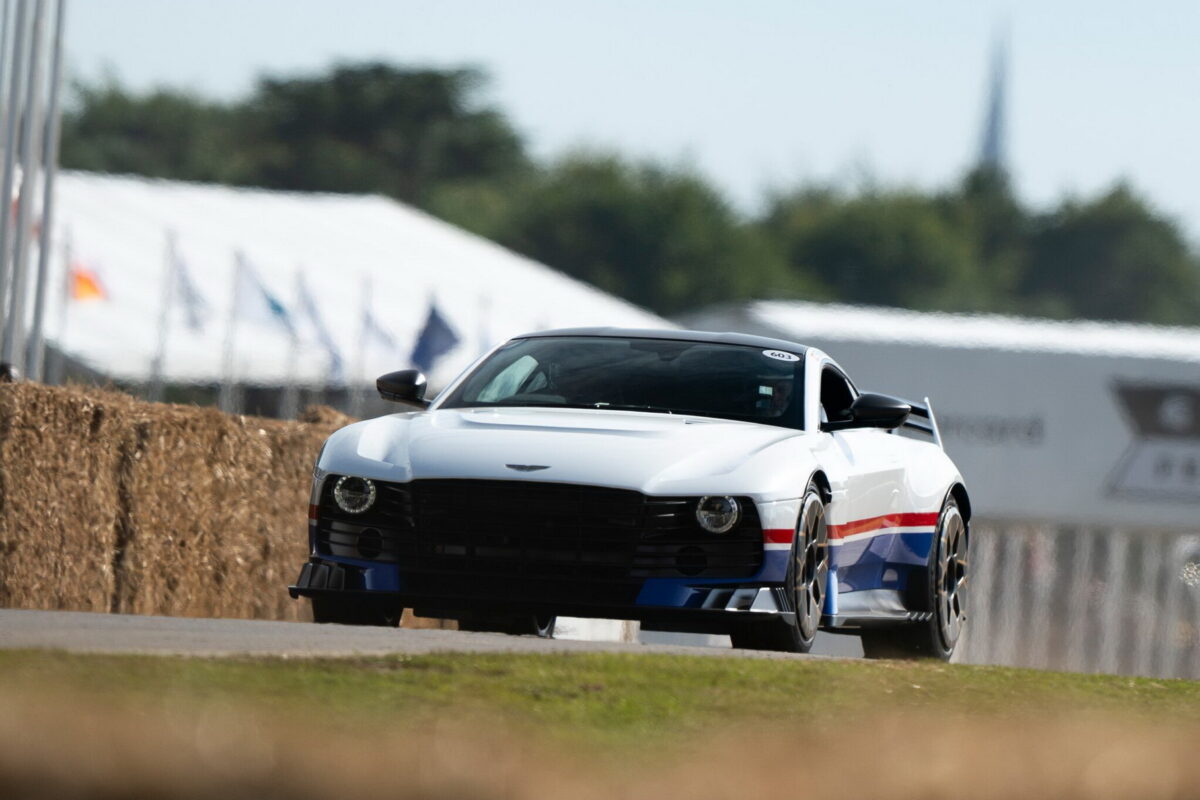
[{"x": 866, "y": 474}]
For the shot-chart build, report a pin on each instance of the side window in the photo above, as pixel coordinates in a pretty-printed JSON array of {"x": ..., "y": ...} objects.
[{"x": 836, "y": 396}]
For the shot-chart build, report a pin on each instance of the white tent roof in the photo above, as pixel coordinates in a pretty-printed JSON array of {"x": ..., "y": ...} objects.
[
  {"x": 118, "y": 226},
  {"x": 803, "y": 321}
]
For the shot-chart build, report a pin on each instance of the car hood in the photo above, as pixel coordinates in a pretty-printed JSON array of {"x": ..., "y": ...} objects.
[{"x": 650, "y": 452}]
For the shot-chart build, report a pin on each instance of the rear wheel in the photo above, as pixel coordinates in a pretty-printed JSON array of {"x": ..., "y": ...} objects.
[
  {"x": 947, "y": 587},
  {"x": 540, "y": 625},
  {"x": 352, "y": 610},
  {"x": 806, "y": 584}
]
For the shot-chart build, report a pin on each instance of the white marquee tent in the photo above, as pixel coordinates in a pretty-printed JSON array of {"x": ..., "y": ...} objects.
[{"x": 356, "y": 253}]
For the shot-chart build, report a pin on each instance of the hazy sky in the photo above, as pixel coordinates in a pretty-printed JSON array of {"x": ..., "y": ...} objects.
[{"x": 756, "y": 94}]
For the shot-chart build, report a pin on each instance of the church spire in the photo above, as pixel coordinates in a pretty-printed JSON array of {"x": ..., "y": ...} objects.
[{"x": 992, "y": 149}]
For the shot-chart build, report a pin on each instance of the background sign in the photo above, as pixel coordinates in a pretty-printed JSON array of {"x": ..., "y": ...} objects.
[{"x": 1164, "y": 459}]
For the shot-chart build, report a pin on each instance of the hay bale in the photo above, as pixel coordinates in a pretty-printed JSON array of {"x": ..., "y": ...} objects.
[
  {"x": 111, "y": 504},
  {"x": 326, "y": 418},
  {"x": 218, "y": 508},
  {"x": 60, "y": 456}
]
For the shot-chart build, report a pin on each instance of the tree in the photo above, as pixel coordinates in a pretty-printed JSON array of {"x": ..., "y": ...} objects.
[
  {"x": 165, "y": 134},
  {"x": 358, "y": 128},
  {"x": 879, "y": 248},
  {"x": 1111, "y": 258},
  {"x": 379, "y": 128},
  {"x": 659, "y": 237},
  {"x": 985, "y": 208}
]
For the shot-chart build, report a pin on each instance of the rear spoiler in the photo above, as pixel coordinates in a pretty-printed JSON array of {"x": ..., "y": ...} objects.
[{"x": 921, "y": 419}]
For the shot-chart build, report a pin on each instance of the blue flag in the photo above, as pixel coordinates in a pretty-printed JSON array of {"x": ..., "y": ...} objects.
[
  {"x": 437, "y": 338},
  {"x": 195, "y": 307}
]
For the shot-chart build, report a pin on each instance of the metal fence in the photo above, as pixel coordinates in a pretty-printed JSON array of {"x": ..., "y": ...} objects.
[{"x": 1085, "y": 599}]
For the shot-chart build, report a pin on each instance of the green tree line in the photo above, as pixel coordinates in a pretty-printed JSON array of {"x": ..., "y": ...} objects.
[{"x": 658, "y": 235}]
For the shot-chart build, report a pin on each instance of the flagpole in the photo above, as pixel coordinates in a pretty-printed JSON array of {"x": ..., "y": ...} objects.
[
  {"x": 158, "y": 363},
  {"x": 14, "y": 327},
  {"x": 289, "y": 406},
  {"x": 50, "y": 138},
  {"x": 12, "y": 110},
  {"x": 225, "y": 397},
  {"x": 6, "y": 39}
]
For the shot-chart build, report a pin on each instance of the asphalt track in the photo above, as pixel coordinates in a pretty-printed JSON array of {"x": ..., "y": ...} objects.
[{"x": 84, "y": 632}]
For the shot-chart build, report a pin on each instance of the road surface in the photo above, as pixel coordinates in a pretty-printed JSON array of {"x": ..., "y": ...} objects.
[{"x": 84, "y": 632}]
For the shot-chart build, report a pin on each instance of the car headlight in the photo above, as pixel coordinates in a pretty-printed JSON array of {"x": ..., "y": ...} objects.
[
  {"x": 354, "y": 495},
  {"x": 717, "y": 514}
]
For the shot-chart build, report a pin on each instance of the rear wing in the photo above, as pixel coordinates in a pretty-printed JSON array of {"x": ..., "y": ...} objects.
[{"x": 921, "y": 419}]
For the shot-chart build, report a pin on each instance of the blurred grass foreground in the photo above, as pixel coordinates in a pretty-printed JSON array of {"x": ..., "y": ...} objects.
[{"x": 582, "y": 726}]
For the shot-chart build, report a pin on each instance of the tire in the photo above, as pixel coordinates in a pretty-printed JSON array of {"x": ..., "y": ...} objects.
[
  {"x": 350, "y": 610},
  {"x": 946, "y": 594},
  {"x": 806, "y": 583},
  {"x": 541, "y": 626}
]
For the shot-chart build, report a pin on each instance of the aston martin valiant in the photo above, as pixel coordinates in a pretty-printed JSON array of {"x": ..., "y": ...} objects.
[{"x": 707, "y": 482}]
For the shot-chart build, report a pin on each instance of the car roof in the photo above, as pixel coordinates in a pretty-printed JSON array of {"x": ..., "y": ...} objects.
[{"x": 727, "y": 337}]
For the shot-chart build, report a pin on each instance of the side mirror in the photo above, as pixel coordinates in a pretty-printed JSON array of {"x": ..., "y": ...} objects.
[
  {"x": 873, "y": 411},
  {"x": 404, "y": 386}
]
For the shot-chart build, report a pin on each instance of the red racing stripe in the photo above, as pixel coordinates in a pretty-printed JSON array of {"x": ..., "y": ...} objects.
[
  {"x": 879, "y": 523},
  {"x": 777, "y": 535}
]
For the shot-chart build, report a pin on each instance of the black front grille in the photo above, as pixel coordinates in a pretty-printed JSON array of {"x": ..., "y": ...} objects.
[{"x": 460, "y": 535}]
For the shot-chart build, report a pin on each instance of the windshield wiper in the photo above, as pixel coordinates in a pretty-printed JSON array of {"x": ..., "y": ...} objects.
[{"x": 631, "y": 407}]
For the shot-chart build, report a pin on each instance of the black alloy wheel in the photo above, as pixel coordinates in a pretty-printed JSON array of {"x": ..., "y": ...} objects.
[
  {"x": 806, "y": 584},
  {"x": 810, "y": 568},
  {"x": 947, "y": 598}
]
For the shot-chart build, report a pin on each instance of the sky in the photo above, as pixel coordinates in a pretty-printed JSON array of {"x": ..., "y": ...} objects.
[{"x": 758, "y": 95}]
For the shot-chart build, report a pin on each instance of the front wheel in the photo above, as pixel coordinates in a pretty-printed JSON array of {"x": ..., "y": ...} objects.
[
  {"x": 947, "y": 587},
  {"x": 806, "y": 584}
]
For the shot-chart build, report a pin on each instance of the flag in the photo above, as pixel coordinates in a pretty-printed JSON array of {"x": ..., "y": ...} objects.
[
  {"x": 195, "y": 307},
  {"x": 86, "y": 284},
  {"x": 374, "y": 333},
  {"x": 308, "y": 308},
  {"x": 436, "y": 339},
  {"x": 253, "y": 303}
]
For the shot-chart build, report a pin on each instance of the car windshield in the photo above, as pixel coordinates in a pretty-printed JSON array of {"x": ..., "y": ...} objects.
[{"x": 627, "y": 374}]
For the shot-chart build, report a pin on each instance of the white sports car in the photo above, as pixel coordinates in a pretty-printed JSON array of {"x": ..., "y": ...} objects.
[{"x": 707, "y": 482}]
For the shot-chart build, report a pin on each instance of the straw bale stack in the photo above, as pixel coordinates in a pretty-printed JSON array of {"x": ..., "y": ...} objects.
[
  {"x": 210, "y": 517},
  {"x": 110, "y": 504},
  {"x": 60, "y": 457}
]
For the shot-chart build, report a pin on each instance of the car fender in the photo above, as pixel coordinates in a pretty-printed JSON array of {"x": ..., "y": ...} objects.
[{"x": 374, "y": 448}]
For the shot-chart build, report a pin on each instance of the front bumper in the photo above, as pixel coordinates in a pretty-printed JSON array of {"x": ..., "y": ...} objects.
[
  {"x": 457, "y": 548},
  {"x": 672, "y": 604}
]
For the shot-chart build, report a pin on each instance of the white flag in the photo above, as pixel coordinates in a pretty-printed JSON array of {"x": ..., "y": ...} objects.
[
  {"x": 308, "y": 309},
  {"x": 375, "y": 334}
]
